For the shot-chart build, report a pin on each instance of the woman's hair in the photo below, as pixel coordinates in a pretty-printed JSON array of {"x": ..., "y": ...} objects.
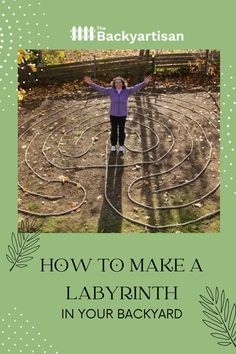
[{"x": 124, "y": 83}]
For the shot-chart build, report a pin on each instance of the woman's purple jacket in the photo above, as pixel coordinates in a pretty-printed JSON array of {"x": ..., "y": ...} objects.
[{"x": 118, "y": 106}]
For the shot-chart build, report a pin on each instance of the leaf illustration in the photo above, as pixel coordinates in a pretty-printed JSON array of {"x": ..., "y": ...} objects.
[
  {"x": 233, "y": 333},
  {"x": 217, "y": 295},
  {"x": 214, "y": 326},
  {"x": 206, "y": 300},
  {"x": 219, "y": 316},
  {"x": 208, "y": 307},
  {"x": 210, "y": 293},
  {"x": 220, "y": 336},
  {"x": 20, "y": 265},
  {"x": 23, "y": 244},
  {"x": 224, "y": 343},
  {"x": 212, "y": 317},
  {"x": 222, "y": 300},
  {"x": 226, "y": 310},
  {"x": 232, "y": 317}
]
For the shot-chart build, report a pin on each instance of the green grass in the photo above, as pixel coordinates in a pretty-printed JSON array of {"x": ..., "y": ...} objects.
[
  {"x": 67, "y": 224},
  {"x": 33, "y": 206}
]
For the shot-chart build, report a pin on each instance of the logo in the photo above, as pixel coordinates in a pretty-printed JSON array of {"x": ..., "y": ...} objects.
[
  {"x": 99, "y": 33},
  {"x": 86, "y": 33}
]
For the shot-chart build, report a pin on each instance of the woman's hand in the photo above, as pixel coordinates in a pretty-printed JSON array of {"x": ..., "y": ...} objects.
[
  {"x": 147, "y": 79},
  {"x": 88, "y": 80}
]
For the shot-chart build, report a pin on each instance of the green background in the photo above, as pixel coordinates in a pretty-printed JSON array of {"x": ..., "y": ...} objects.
[{"x": 33, "y": 300}]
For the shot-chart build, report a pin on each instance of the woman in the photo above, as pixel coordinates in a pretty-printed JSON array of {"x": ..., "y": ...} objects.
[{"x": 119, "y": 94}]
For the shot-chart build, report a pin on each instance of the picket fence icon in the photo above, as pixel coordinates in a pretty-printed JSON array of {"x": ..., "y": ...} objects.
[{"x": 85, "y": 33}]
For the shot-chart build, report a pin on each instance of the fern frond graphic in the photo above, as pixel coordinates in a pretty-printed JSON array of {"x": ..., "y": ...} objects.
[
  {"x": 23, "y": 244},
  {"x": 219, "y": 316}
]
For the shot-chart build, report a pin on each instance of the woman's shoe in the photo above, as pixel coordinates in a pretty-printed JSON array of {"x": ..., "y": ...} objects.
[
  {"x": 113, "y": 148},
  {"x": 121, "y": 149}
]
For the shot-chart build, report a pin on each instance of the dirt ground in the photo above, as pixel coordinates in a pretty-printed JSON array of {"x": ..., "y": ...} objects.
[{"x": 167, "y": 180}]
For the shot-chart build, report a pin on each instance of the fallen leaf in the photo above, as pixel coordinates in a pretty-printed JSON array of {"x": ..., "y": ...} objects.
[
  {"x": 199, "y": 205},
  {"x": 33, "y": 67},
  {"x": 63, "y": 179}
]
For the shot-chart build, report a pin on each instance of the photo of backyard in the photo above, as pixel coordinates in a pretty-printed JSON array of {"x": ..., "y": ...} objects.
[{"x": 77, "y": 175}]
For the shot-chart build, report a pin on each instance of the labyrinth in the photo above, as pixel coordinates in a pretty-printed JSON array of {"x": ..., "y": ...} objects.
[{"x": 167, "y": 178}]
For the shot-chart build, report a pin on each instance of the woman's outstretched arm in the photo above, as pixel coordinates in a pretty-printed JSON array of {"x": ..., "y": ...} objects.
[
  {"x": 98, "y": 88},
  {"x": 138, "y": 87}
]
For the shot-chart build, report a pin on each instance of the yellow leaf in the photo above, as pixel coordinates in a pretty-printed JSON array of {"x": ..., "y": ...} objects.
[
  {"x": 21, "y": 93},
  {"x": 22, "y": 56},
  {"x": 33, "y": 67},
  {"x": 63, "y": 179}
]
